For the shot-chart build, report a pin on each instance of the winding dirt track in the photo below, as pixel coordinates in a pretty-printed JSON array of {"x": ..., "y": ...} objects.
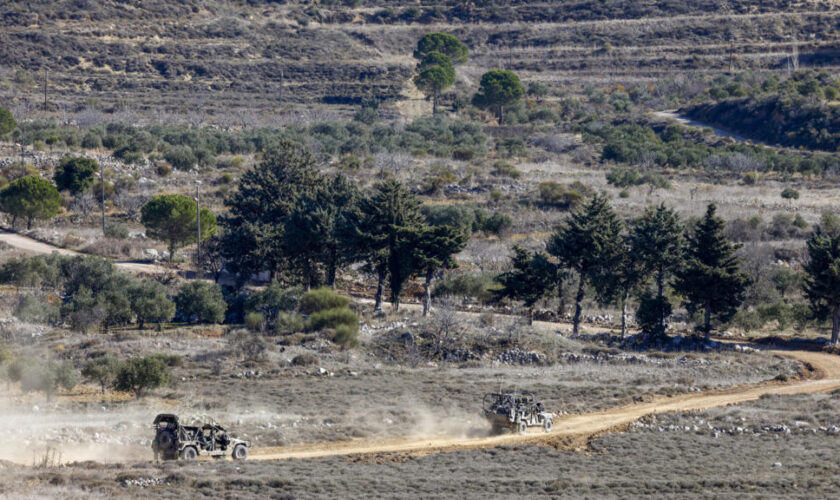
[
  {"x": 572, "y": 430},
  {"x": 569, "y": 431},
  {"x": 38, "y": 247}
]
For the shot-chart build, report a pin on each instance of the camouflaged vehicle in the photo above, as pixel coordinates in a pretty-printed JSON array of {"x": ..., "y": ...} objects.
[
  {"x": 192, "y": 437},
  {"x": 515, "y": 411}
]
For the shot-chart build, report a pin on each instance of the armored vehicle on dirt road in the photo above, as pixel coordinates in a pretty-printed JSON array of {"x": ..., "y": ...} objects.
[
  {"x": 515, "y": 411},
  {"x": 192, "y": 437}
]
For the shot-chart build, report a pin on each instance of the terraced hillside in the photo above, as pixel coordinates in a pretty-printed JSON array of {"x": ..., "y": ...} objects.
[{"x": 232, "y": 58}]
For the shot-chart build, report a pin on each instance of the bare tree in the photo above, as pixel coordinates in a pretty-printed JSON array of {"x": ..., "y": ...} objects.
[{"x": 445, "y": 325}]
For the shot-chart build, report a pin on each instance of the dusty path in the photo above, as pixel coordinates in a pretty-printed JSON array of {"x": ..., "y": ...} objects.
[
  {"x": 572, "y": 428},
  {"x": 32, "y": 245}
]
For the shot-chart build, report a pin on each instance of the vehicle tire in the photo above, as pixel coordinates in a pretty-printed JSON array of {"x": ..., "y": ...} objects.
[
  {"x": 240, "y": 452},
  {"x": 523, "y": 427},
  {"x": 547, "y": 424},
  {"x": 189, "y": 453},
  {"x": 165, "y": 440}
]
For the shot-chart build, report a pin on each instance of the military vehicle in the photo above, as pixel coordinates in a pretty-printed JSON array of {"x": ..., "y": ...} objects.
[
  {"x": 193, "y": 437},
  {"x": 515, "y": 411}
]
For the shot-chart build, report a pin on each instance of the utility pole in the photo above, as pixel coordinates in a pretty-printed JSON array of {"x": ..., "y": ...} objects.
[
  {"x": 102, "y": 181},
  {"x": 197, "y": 223}
]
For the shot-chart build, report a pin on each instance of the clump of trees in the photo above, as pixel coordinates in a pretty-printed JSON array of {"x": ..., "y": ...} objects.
[
  {"x": 303, "y": 227},
  {"x": 97, "y": 295},
  {"x": 137, "y": 375},
  {"x": 645, "y": 258}
]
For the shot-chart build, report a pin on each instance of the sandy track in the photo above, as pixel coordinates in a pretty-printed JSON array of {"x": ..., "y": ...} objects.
[
  {"x": 571, "y": 429},
  {"x": 34, "y": 246}
]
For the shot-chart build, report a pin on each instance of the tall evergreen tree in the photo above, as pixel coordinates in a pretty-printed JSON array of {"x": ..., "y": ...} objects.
[
  {"x": 531, "y": 277},
  {"x": 589, "y": 243},
  {"x": 656, "y": 241},
  {"x": 711, "y": 278},
  {"x": 619, "y": 281},
  {"x": 822, "y": 278},
  {"x": 254, "y": 238},
  {"x": 315, "y": 230},
  {"x": 388, "y": 228},
  {"x": 435, "y": 249}
]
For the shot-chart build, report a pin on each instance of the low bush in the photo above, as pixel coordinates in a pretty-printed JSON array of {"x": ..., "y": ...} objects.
[
  {"x": 332, "y": 318},
  {"x": 322, "y": 299}
]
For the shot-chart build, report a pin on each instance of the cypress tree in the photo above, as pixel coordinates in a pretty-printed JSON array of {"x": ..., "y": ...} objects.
[
  {"x": 589, "y": 243},
  {"x": 822, "y": 278},
  {"x": 389, "y": 226},
  {"x": 711, "y": 278},
  {"x": 530, "y": 278},
  {"x": 434, "y": 251},
  {"x": 657, "y": 242}
]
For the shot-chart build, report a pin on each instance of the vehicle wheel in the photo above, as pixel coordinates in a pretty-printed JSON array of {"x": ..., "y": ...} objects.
[
  {"x": 189, "y": 453},
  {"x": 240, "y": 452},
  {"x": 547, "y": 425},
  {"x": 523, "y": 427},
  {"x": 165, "y": 440}
]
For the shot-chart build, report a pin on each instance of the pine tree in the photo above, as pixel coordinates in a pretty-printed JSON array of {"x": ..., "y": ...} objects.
[
  {"x": 435, "y": 249},
  {"x": 254, "y": 238},
  {"x": 388, "y": 228},
  {"x": 314, "y": 231},
  {"x": 531, "y": 277},
  {"x": 589, "y": 243},
  {"x": 657, "y": 242},
  {"x": 822, "y": 278},
  {"x": 711, "y": 278}
]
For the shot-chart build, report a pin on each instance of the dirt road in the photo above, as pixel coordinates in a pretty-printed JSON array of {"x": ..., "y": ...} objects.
[
  {"x": 28, "y": 244},
  {"x": 573, "y": 429}
]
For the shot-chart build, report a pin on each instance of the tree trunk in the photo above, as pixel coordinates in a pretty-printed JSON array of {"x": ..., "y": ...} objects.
[
  {"x": 29, "y": 223},
  {"x": 434, "y": 103},
  {"x": 331, "y": 268},
  {"x": 171, "y": 250},
  {"x": 835, "y": 325},
  {"x": 530, "y": 316},
  {"x": 140, "y": 324},
  {"x": 578, "y": 300},
  {"x": 624, "y": 316},
  {"x": 660, "y": 291},
  {"x": 707, "y": 323},
  {"x": 14, "y": 221},
  {"x": 501, "y": 114},
  {"x": 380, "y": 287},
  {"x": 427, "y": 292}
]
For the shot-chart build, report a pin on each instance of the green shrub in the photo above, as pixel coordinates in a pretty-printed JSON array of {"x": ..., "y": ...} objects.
[
  {"x": 748, "y": 320},
  {"x": 477, "y": 286},
  {"x": 35, "y": 309},
  {"x": 505, "y": 169},
  {"x": 332, "y": 318},
  {"x": 288, "y": 323},
  {"x": 322, "y": 299},
  {"x": 163, "y": 169},
  {"x": 254, "y": 321},
  {"x": 304, "y": 359},
  {"x": 116, "y": 230},
  {"x": 200, "y": 301},
  {"x": 346, "y": 336},
  {"x": 138, "y": 375},
  {"x": 180, "y": 157}
]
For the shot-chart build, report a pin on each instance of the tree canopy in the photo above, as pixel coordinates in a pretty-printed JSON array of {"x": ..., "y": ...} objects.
[
  {"x": 75, "y": 174},
  {"x": 499, "y": 88},
  {"x": 30, "y": 197},
  {"x": 822, "y": 278},
  {"x": 443, "y": 43},
  {"x": 711, "y": 278},
  {"x": 7, "y": 121},
  {"x": 172, "y": 218}
]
